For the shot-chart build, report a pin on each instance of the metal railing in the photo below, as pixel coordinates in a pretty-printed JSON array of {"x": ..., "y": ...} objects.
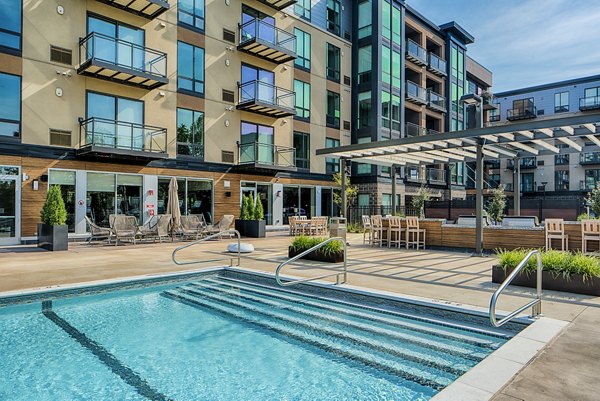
[
  {"x": 219, "y": 234},
  {"x": 436, "y": 100},
  {"x": 265, "y": 153},
  {"x": 261, "y": 30},
  {"x": 589, "y": 103},
  {"x": 314, "y": 248},
  {"x": 436, "y": 63},
  {"x": 521, "y": 113},
  {"x": 124, "y": 54},
  {"x": 589, "y": 158},
  {"x": 102, "y": 132},
  {"x": 416, "y": 51},
  {"x": 524, "y": 163},
  {"x": 536, "y": 304},
  {"x": 412, "y": 129},
  {"x": 257, "y": 91},
  {"x": 414, "y": 91}
]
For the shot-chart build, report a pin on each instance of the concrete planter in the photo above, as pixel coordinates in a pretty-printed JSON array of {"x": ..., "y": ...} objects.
[
  {"x": 53, "y": 238},
  {"x": 252, "y": 228},
  {"x": 573, "y": 284},
  {"x": 318, "y": 255}
]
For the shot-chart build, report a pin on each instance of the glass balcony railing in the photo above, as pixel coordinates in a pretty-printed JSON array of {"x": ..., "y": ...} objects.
[
  {"x": 436, "y": 175},
  {"x": 416, "y": 93},
  {"x": 436, "y": 101},
  {"x": 521, "y": 113},
  {"x": 436, "y": 64},
  {"x": 264, "y": 98},
  {"x": 589, "y": 103},
  {"x": 589, "y": 158},
  {"x": 414, "y": 130},
  {"x": 122, "y": 135},
  {"x": 416, "y": 53},
  {"x": 524, "y": 163},
  {"x": 257, "y": 34},
  {"x": 267, "y": 154}
]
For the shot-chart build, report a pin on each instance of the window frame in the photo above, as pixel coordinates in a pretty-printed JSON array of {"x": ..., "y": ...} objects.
[
  {"x": 333, "y": 73},
  {"x": 192, "y": 78},
  {"x": 302, "y": 61},
  {"x": 194, "y": 16},
  {"x": 19, "y": 122},
  {"x": 192, "y": 144},
  {"x": 560, "y": 107},
  {"x": 305, "y": 144},
  {"x": 564, "y": 185},
  {"x": 337, "y": 22},
  {"x": 9, "y": 32},
  {"x": 305, "y": 11},
  {"x": 332, "y": 165},
  {"x": 305, "y": 104},
  {"x": 333, "y": 121}
]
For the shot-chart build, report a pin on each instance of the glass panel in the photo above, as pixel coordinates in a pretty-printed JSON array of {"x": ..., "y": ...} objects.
[
  {"x": 10, "y": 23},
  {"x": 364, "y": 109},
  {"x": 191, "y": 12},
  {"x": 307, "y": 202},
  {"x": 130, "y": 136},
  {"x": 290, "y": 203},
  {"x": 66, "y": 181},
  {"x": 127, "y": 55},
  {"x": 327, "y": 202},
  {"x": 264, "y": 195},
  {"x": 10, "y": 105},
  {"x": 100, "y": 197},
  {"x": 365, "y": 10},
  {"x": 199, "y": 198},
  {"x": 8, "y": 211},
  {"x": 386, "y": 15},
  {"x": 386, "y": 64},
  {"x": 190, "y": 133}
]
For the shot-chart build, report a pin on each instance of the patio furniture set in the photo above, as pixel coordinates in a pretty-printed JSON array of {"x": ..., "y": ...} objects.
[
  {"x": 394, "y": 231},
  {"x": 126, "y": 228},
  {"x": 555, "y": 230},
  {"x": 301, "y": 225}
]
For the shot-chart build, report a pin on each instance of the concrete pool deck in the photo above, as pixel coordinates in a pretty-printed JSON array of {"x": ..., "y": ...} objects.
[{"x": 564, "y": 370}]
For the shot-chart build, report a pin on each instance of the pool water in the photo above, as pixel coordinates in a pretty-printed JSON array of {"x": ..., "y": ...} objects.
[{"x": 223, "y": 338}]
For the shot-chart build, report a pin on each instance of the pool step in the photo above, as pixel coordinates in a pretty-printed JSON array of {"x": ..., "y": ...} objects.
[{"x": 419, "y": 373}]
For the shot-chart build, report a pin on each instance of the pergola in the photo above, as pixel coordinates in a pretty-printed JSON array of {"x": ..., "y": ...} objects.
[{"x": 503, "y": 140}]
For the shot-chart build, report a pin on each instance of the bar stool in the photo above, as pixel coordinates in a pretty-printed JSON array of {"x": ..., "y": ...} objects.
[
  {"x": 367, "y": 233},
  {"x": 413, "y": 233},
  {"x": 555, "y": 229},
  {"x": 590, "y": 231},
  {"x": 394, "y": 231},
  {"x": 376, "y": 230}
]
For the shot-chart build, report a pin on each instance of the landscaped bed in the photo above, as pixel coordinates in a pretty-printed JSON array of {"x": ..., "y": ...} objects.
[
  {"x": 332, "y": 252},
  {"x": 562, "y": 271}
]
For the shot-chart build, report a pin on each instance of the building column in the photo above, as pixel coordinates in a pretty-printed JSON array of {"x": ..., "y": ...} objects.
[
  {"x": 277, "y": 204},
  {"x": 80, "y": 201},
  {"x": 517, "y": 187},
  {"x": 394, "y": 189},
  {"x": 479, "y": 200},
  {"x": 343, "y": 194}
]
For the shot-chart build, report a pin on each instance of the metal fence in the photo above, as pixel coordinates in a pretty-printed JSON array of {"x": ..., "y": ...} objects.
[{"x": 355, "y": 213}]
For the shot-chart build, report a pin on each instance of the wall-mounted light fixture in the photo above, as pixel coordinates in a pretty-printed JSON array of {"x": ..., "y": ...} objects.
[
  {"x": 25, "y": 177},
  {"x": 35, "y": 184},
  {"x": 278, "y": 194}
]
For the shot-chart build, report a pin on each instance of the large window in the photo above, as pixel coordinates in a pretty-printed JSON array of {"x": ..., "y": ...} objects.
[
  {"x": 561, "y": 102},
  {"x": 457, "y": 86},
  {"x": 365, "y": 18},
  {"x": 10, "y": 105},
  {"x": 302, "y": 9},
  {"x": 195, "y": 196},
  {"x": 113, "y": 194},
  {"x": 333, "y": 110},
  {"x": 191, "y": 13},
  {"x": 256, "y": 143},
  {"x": 561, "y": 160},
  {"x": 527, "y": 182},
  {"x": 333, "y": 63},
  {"x": 365, "y": 64},
  {"x": 457, "y": 173},
  {"x": 302, "y": 90},
  {"x": 190, "y": 133},
  {"x": 386, "y": 65},
  {"x": 561, "y": 180},
  {"x": 302, "y": 49},
  {"x": 332, "y": 165},
  {"x": 118, "y": 121},
  {"x": 10, "y": 24},
  {"x": 364, "y": 110},
  {"x": 190, "y": 69},
  {"x": 302, "y": 146},
  {"x": 66, "y": 180},
  {"x": 105, "y": 48},
  {"x": 333, "y": 16}
]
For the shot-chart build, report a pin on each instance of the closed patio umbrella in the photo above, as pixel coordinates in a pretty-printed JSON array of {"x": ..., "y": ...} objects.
[{"x": 173, "y": 206}]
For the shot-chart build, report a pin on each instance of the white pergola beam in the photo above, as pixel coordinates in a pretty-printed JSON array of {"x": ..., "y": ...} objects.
[
  {"x": 526, "y": 148},
  {"x": 489, "y": 153},
  {"x": 507, "y": 135},
  {"x": 571, "y": 143},
  {"x": 446, "y": 155},
  {"x": 590, "y": 127},
  {"x": 546, "y": 131},
  {"x": 527, "y": 134},
  {"x": 491, "y": 138},
  {"x": 462, "y": 152},
  {"x": 546, "y": 145},
  {"x": 502, "y": 150},
  {"x": 594, "y": 139},
  {"x": 568, "y": 129}
]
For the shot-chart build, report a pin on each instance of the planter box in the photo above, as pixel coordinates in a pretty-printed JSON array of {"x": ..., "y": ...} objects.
[
  {"x": 318, "y": 255},
  {"x": 53, "y": 238},
  {"x": 574, "y": 284},
  {"x": 252, "y": 228}
]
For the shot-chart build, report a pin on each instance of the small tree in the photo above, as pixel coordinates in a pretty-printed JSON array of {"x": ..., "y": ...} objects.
[
  {"x": 247, "y": 211},
  {"x": 259, "y": 212},
  {"x": 418, "y": 202},
  {"x": 54, "y": 212},
  {"x": 496, "y": 205},
  {"x": 351, "y": 191},
  {"x": 593, "y": 200}
]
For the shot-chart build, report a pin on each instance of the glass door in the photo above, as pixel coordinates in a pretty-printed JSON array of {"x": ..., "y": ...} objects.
[{"x": 10, "y": 195}]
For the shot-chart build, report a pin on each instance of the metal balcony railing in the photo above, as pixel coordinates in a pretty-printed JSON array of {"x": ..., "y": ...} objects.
[
  {"x": 266, "y": 41},
  {"x": 266, "y": 154},
  {"x": 524, "y": 163},
  {"x": 416, "y": 93},
  {"x": 437, "y": 65},
  {"x": 521, "y": 113},
  {"x": 589, "y": 158},
  {"x": 122, "y": 135},
  {"x": 263, "y": 98},
  {"x": 414, "y": 130},
  {"x": 589, "y": 103},
  {"x": 436, "y": 101},
  {"x": 436, "y": 175},
  {"x": 416, "y": 53}
]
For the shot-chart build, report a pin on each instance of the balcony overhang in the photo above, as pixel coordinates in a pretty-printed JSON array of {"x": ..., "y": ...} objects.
[
  {"x": 99, "y": 151},
  {"x": 266, "y": 51},
  {"x": 521, "y": 116},
  {"x": 278, "y": 4},
  {"x": 256, "y": 166},
  {"x": 266, "y": 109},
  {"x": 145, "y": 8},
  {"x": 415, "y": 59},
  {"x": 415, "y": 99},
  {"x": 436, "y": 71},
  {"x": 587, "y": 107},
  {"x": 436, "y": 107},
  {"x": 101, "y": 69}
]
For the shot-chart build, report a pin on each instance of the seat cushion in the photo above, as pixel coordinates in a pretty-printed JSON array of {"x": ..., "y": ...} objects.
[{"x": 244, "y": 248}]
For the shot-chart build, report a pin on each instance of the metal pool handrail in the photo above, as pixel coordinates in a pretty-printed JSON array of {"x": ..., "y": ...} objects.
[
  {"x": 173, "y": 255},
  {"x": 536, "y": 304},
  {"x": 314, "y": 248}
]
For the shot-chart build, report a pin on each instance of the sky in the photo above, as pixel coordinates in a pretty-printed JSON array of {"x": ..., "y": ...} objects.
[{"x": 525, "y": 42}]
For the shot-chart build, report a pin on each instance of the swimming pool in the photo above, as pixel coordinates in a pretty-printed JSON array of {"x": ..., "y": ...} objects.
[{"x": 229, "y": 335}]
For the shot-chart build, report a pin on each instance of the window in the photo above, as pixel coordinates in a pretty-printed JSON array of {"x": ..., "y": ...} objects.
[
  {"x": 333, "y": 63},
  {"x": 523, "y": 105},
  {"x": 396, "y": 68},
  {"x": 561, "y": 160},
  {"x": 66, "y": 180},
  {"x": 256, "y": 143},
  {"x": 527, "y": 182},
  {"x": 302, "y": 90},
  {"x": 332, "y": 165},
  {"x": 386, "y": 16},
  {"x": 333, "y": 110},
  {"x": 561, "y": 102},
  {"x": 10, "y": 105},
  {"x": 302, "y": 146},
  {"x": 333, "y": 16},
  {"x": 386, "y": 61},
  {"x": 302, "y": 49},
  {"x": 190, "y": 133},
  {"x": 190, "y": 69},
  {"x": 124, "y": 52},
  {"x": 365, "y": 64},
  {"x": 395, "y": 113},
  {"x": 10, "y": 24},
  {"x": 195, "y": 196},
  {"x": 457, "y": 173},
  {"x": 364, "y": 199},
  {"x": 302, "y": 9},
  {"x": 591, "y": 93},
  {"x": 396, "y": 26},
  {"x": 363, "y": 168},
  {"x": 365, "y": 18},
  {"x": 386, "y": 100},
  {"x": 364, "y": 110},
  {"x": 113, "y": 193},
  {"x": 561, "y": 180},
  {"x": 457, "y": 86},
  {"x": 386, "y": 200},
  {"x": 191, "y": 13}
]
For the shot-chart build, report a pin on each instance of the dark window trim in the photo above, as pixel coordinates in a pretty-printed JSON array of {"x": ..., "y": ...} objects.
[
  {"x": 88, "y": 91},
  {"x": 327, "y": 69},
  {"x": 193, "y": 79},
  {"x": 327, "y": 115},
  {"x": 20, "y": 122},
  {"x": 307, "y": 159},
  {"x": 193, "y": 27},
  {"x": 190, "y": 143}
]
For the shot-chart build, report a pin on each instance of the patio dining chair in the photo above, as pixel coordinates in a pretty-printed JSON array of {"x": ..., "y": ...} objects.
[
  {"x": 191, "y": 226},
  {"x": 377, "y": 230},
  {"x": 125, "y": 228},
  {"x": 97, "y": 232},
  {"x": 590, "y": 231},
  {"x": 415, "y": 236},
  {"x": 157, "y": 228},
  {"x": 367, "y": 230},
  {"x": 394, "y": 231},
  {"x": 555, "y": 229}
]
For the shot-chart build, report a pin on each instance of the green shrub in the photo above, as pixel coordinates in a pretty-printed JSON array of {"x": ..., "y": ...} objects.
[
  {"x": 259, "y": 212},
  {"x": 585, "y": 216},
  {"x": 355, "y": 228},
  {"x": 247, "y": 211},
  {"x": 302, "y": 243},
  {"x": 54, "y": 212},
  {"x": 497, "y": 204},
  {"x": 559, "y": 263}
]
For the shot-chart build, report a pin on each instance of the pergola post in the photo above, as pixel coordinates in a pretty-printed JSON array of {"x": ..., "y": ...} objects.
[
  {"x": 344, "y": 184},
  {"x": 394, "y": 190},
  {"x": 479, "y": 200},
  {"x": 517, "y": 187}
]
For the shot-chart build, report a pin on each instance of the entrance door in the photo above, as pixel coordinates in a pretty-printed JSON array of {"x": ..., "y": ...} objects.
[{"x": 10, "y": 211}]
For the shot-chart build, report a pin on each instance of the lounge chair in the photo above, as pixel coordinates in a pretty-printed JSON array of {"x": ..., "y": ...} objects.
[
  {"x": 97, "y": 232},
  {"x": 125, "y": 227},
  {"x": 191, "y": 226},
  {"x": 157, "y": 228},
  {"x": 224, "y": 224}
]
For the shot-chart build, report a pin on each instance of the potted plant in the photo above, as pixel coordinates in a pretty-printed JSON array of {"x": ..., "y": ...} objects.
[
  {"x": 52, "y": 231},
  {"x": 418, "y": 201},
  {"x": 496, "y": 205},
  {"x": 252, "y": 218},
  {"x": 332, "y": 252}
]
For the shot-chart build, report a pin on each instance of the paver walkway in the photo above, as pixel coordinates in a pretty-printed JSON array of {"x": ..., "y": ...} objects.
[{"x": 563, "y": 371}]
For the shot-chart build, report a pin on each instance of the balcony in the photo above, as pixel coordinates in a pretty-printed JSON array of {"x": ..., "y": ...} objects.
[
  {"x": 414, "y": 175},
  {"x": 414, "y": 130},
  {"x": 436, "y": 176},
  {"x": 430, "y": 176},
  {"x": 111, "y": 59},
  {"x": 266, "y": 99},
  {"x": 145, "y": 8},
  {"x": 521, "y": 113},
  {"x": 589, "y": 103},
  {"x": 416, "y": 53},
  {"x": 524, "y": 163},
  {"x": 437, "y": 65},
  {"x": 415, "y": 93},
  {"x": 588, "y": 158},
  {"x": 278, "y": 4},
  {"x": 119, "y": 139},
  {"x": 494, "y": 118},
  {"x": 266, "y": 156},
  {"x": 436, "y": 101},
  {"x": 265, "y": 41}
]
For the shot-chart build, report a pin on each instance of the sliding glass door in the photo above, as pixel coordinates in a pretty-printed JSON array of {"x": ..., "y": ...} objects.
[{"x": 10, "y": 196}]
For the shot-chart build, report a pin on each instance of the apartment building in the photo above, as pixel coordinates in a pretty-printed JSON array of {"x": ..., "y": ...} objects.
[
  {"x": 410, "y": 76},
  {"x": 569, "y": 175},
  {"x": 111, "y": 98}
]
